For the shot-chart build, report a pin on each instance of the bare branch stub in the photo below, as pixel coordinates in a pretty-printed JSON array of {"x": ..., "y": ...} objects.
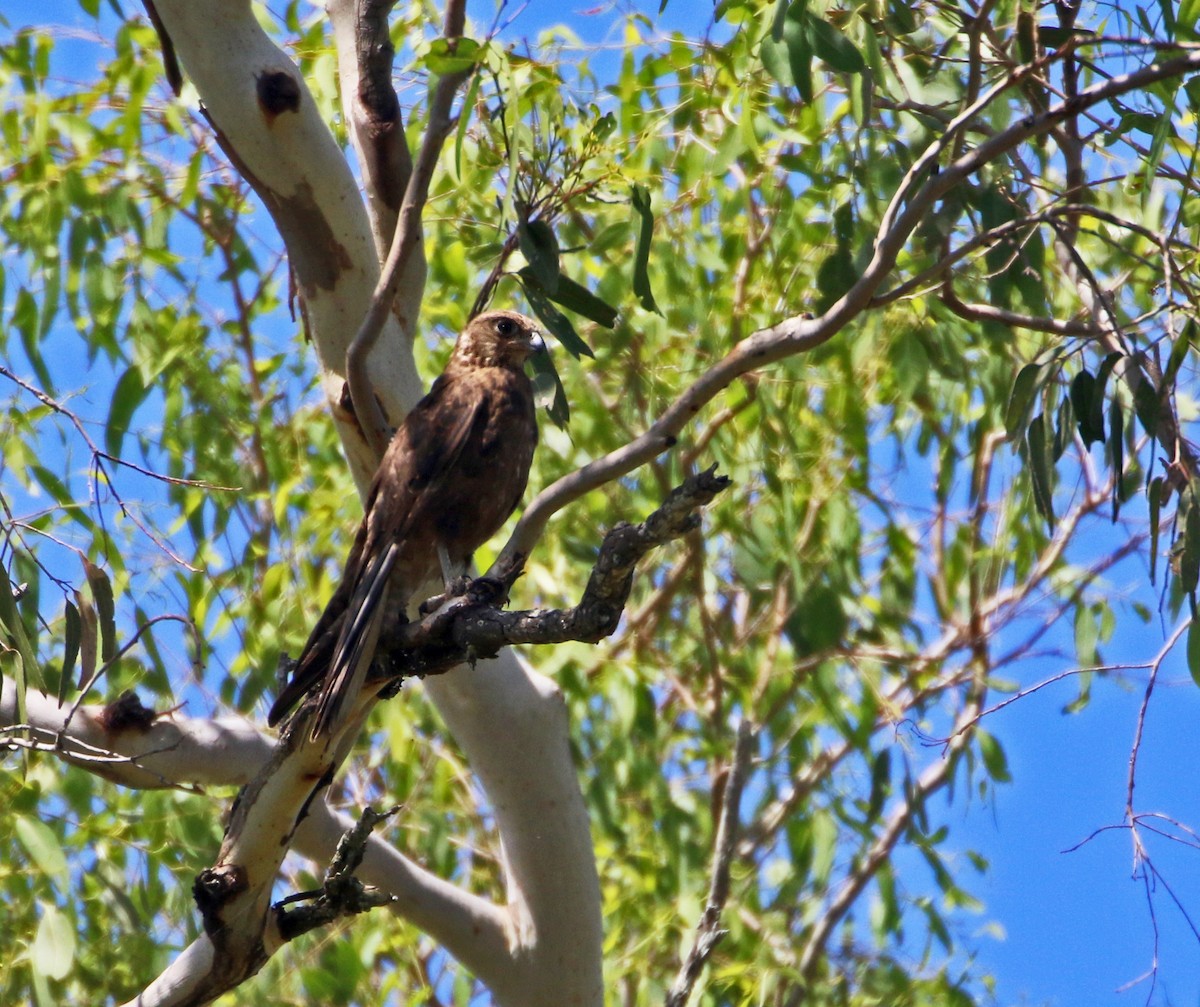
[
  {"x": 465, "y": 627},
  {"x": 342, "y": 893}
]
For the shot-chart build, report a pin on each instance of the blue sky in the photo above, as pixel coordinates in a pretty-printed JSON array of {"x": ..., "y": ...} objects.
[{"x": 1077, "y": 927}]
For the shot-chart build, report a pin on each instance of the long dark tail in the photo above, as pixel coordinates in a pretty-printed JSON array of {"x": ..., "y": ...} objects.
[{"x": 336, "y": 657}]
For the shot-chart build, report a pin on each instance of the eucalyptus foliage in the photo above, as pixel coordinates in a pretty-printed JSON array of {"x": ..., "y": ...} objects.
[{"x": 908, "y": 502}]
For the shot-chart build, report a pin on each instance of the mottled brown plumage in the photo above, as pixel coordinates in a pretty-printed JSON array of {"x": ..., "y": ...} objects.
[{"x": 453, "y": 473}]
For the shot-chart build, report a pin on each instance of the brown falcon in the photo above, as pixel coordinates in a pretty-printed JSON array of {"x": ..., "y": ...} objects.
[{"x": 451, "y": 476}]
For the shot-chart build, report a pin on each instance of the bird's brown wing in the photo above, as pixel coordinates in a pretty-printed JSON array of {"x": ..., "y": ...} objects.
[{"x": 401, "y": 508}]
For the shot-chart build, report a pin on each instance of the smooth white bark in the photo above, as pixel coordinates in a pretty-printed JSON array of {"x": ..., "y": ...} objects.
[
  {"x": 544, "y": 947},
  {"x": 296, "y": 166}
]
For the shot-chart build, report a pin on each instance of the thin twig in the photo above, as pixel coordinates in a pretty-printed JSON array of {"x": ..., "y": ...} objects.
[{"x": 708, "y": 931}]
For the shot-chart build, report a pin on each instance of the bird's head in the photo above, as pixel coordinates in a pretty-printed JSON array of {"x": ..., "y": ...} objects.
[{"x": 498, "y": 339}]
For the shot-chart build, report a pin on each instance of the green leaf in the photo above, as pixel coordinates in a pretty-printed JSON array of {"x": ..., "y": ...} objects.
[
  {"x": 1116, "y": 433},
  {"x": 1165, "y": 8},
  {"x": 1041, "y": 471},
  {"x": 1056, "y": 36},
  {"x": 1149, "y": 406},
  {"x": 25, "y": 319},
  {"x": 576, "y": 297},
  {"x": 1087, "y": 637},
  {"x": 832, "y": 46},
  {"x": 1155, "y": 503},
  {"x": 540, "y": 248},
  {"x": 1083, "y": 388},
  {"x": 102, "y": 593},
  {"x": 901, "y": 17},
  {"x": 1025, "y": 388},
  {"x": 835, "y": 276},
  {"x": 1193, "y": 650},
  {"x": 464, "y": 118},
  {"x": 72, "y": 636},
  {"x": 129, "y": 393},
  {"x": 786, "y": 52},
  {"x": 862, "y": 98},
  {"x": 1179, "y": 353},
  {"x": 548, "y": 389},
  {"x": 559, "y": 325},
  {"x": 445, "y": 57},
  {"x": 1189, "y": 556},
  {"x": 1165, "y": 127},
  {"x": 1096, "y": 413},
  {"x": 881, "y": 778},
  {"x": 88, "y": 639},
  {"x": 994, "y": 759},
  {"x": 1064, "y": 420},
  {"x": 53, "y": 951},
  {"x": 13, "y": 628},
  {"x": 644, "y": 230},
  {"x": 43, "y": 847},
  {"x": 824, "y": 845}
]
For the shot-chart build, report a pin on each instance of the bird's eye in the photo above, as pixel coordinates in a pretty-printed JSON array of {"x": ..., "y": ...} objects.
[{"x": 506, "y": 327}]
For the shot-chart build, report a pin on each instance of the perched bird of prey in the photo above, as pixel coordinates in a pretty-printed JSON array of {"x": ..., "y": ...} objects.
[{"x": 451, "y": 476}]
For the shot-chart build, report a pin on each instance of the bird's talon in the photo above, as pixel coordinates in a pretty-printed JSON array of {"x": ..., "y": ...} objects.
[{"x": 488, "y": 591}]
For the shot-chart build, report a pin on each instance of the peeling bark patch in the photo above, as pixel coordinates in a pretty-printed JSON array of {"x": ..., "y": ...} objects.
[
  {"x": 316, "y": 255},
  {"x": 278, "y": 92}
]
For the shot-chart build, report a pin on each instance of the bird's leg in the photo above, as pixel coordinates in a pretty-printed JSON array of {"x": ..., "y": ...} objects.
[
  {"x": 448, "y": 571},
  {"x": 454, "y": 582},
  {"x": 454, "y": 575}
]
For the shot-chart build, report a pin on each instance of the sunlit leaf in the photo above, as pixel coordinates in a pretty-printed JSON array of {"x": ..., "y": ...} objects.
[
  {"x": 457, "y": 56},
  {"x": 43, "y": 847},
  {"x": 53, "y": 950}
]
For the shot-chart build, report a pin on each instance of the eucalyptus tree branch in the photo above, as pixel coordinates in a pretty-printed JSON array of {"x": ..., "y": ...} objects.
[
  {"x": 922, "y": 187},
  {"x": 286, "y": 782},
  {"x": 548, "y": 938},
  {"x": 130, "y": 745},
  {"x": 1014, "y": 319},
  {"x": 267, "y": 123},
  {"x": 985, "y": 239},
  {"x": 371, "y": 109},
  {"x": 126, "y": 743},
  {"x": 406, "y": 243},
  {"x": 1136, "y": 370}
]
